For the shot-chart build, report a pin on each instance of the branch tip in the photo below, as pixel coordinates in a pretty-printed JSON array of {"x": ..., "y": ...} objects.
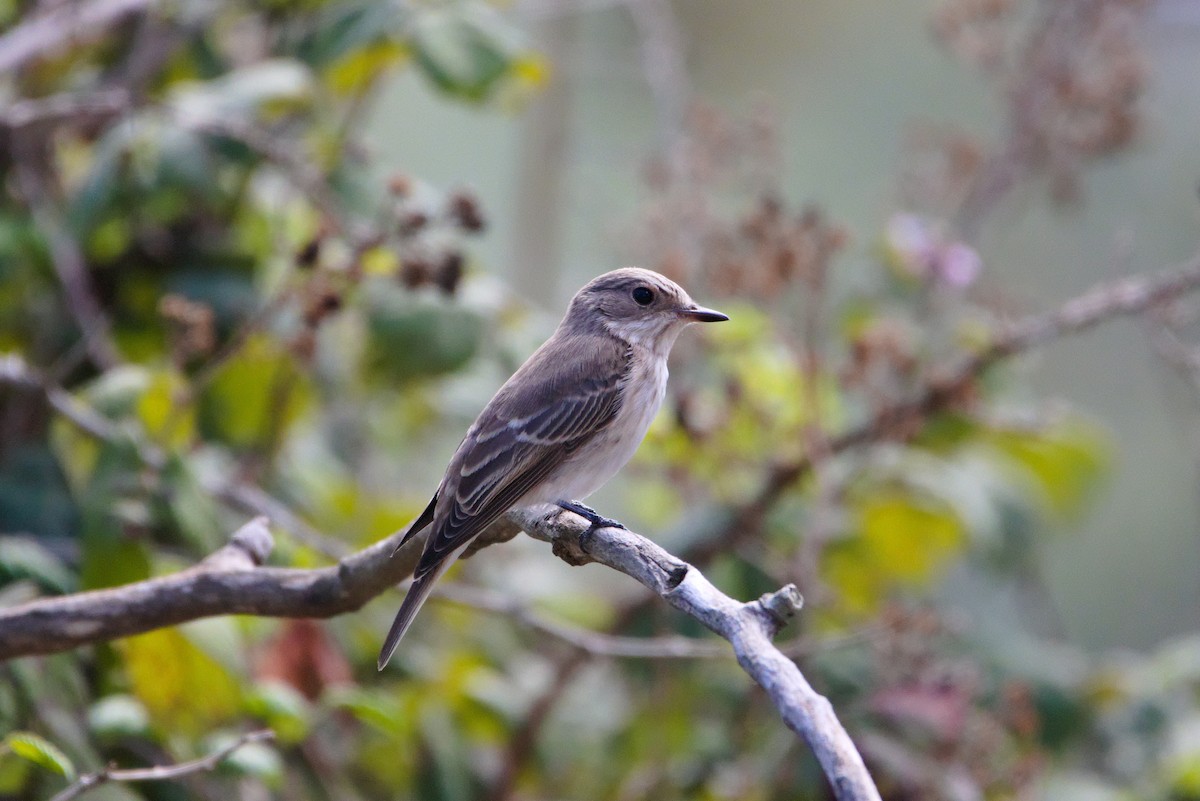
[
  {"x": 783, "y": 604},
  {"x": 255, "y": 539}
]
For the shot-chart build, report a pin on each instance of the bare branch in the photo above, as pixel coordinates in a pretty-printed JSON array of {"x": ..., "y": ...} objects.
[
  {"x": 66, "y": 255},
  {"x": 90, "y": 781},
  {"x": 64, "y": 25},
  {"x": 233, "y": 582},
  {"x": 601, "y": 644},
  {"x": 79, "y": 107},
  {"x": 57, "y": 624},
  {"x": 749, "y": 628}
]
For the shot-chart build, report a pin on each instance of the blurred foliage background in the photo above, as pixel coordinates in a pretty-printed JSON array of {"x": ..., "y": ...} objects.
[{"x": 241, "y": 271}]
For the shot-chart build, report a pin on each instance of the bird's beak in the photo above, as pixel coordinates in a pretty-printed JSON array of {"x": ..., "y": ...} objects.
[{"x": 702, "y": 315}]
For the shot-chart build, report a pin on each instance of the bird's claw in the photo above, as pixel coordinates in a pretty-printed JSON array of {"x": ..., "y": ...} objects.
[{"x": 595, "y": 520}]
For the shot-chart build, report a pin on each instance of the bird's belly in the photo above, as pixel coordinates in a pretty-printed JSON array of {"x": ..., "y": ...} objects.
[{"x": 601, "y": 458}]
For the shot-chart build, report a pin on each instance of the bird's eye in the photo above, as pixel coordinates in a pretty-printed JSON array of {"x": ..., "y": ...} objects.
[{"x": 643, "y": 296}]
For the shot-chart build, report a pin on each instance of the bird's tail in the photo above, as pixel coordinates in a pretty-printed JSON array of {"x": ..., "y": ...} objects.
[{"x": 418, "y": 593}]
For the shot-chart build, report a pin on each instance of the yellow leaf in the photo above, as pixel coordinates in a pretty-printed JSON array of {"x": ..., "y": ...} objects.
[
  {"x": 1064, "y": 460},
  {"x": 530, "y": 70},
  {"x": 908, "y": 538},
  {"x": 898, "y": 540},
  {"x": 360, "y": 67},
  {"x": 183, "y": 688},
  {"x": 156, "y": 408},
  {"x": 860, "y": 590}
]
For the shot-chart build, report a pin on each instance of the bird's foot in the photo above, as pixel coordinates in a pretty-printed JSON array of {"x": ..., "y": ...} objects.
[{"x": 595, "y": 520}]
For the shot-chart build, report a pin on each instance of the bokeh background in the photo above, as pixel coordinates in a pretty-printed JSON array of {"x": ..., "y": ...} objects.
[{"x": 274, "y": 257}]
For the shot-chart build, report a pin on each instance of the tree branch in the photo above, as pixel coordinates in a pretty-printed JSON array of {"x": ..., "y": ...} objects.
[
  {"x": 232, "y": 581},
  {"x": 43, "y": 113},
  {"x": 601, "y": 644},
  {"x": 223, "y": 587},
  {"x": 749, "y": 628},
  {"x": 90, "y": 781},
  {"x": 62, "y": 26}
]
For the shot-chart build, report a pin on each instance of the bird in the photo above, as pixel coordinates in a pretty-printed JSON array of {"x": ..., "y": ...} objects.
[{"x": 565, "y": 423}]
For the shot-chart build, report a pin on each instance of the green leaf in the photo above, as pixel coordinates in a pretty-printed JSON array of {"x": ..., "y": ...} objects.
[
  {"x": 34, "y": 498},
  {"x": 158, "y": 413},
  {"x": 98, "y": 192},
  {"x": 283, "y": 709},
  {"x": 117, "y": 716},
  {"x": 465, "y": 49},
  {"x": 383, "y": 711},
  {"x": 26, "y": 558},
  {"x": 109, "y": 558},
  {"x": 413, "y": 338},
  {"x": 39, "y": 751},
  {"x": 347, "y": 28},
  {"x": 899, "y": 539},
  {"x": 908, "y": 537},
  {"x": 258, "y": 760},
  {"x": 356, "y": 71},
  {"x": 263, "y": 89},
  {"x": 117, "y": 391},
  {"x": 258, "y": 393},
  {"x": 190, "y": 506}
]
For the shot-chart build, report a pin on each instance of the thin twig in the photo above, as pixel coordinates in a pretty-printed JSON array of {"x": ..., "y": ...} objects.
[
  {"x": 65, "y": 254},
  {"x": 76, "y": 107},
  {"x": 90, "y": 781},
  {"x": 254, "y": 499},
  {"x": 64, "y": 25},
  {"x": 596, "y": 643}
]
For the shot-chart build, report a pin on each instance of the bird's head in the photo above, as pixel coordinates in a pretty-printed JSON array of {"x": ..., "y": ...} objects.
[{"x": 639, "y": 306}]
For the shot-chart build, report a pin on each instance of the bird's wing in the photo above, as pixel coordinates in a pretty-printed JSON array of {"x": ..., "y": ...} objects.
[
  {"x": 569, "y": 390},
  {"x": 418, "y": 525},
  {"x": 528, "y": 429}
]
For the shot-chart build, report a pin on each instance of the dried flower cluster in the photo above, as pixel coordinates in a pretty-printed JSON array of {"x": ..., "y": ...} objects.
[
  {"x": 976, "y": 31},
  {"x": 1069, "y": 73},
  {"x": 423, "y": 231},
  {"x": 428, "y": 231},
  {"x": 684, "y": 230},
  {"x": 190, "y": 330},
  {"x": 1075, "y": 97}
]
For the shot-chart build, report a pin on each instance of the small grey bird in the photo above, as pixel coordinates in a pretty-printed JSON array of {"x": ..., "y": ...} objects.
[{"x": 563, "y": 425}]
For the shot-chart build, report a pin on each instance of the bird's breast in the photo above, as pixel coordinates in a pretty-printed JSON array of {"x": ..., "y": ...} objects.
[{"x": 600, "y": 458}]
